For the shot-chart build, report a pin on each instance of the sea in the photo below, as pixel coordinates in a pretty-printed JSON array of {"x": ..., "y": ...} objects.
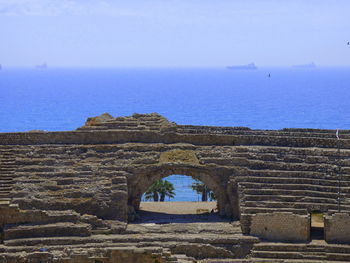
[{"x": 60, "y": 99}]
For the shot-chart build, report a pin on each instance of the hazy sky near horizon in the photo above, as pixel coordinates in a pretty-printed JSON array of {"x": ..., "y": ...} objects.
[{"x": 174, "y": 33}]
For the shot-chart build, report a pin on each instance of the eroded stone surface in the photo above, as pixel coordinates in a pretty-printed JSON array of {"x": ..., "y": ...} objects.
[{"x": 95, "y": 176}]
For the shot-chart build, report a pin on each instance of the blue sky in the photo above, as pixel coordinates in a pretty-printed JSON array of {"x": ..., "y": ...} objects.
[{"x": 174, "y": 33}]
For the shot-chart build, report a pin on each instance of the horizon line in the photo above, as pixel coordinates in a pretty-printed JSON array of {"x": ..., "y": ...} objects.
[{"x": 3, "y": 67}]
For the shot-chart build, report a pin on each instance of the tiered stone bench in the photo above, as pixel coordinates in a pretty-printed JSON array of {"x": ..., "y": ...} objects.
[{"x": 81, "y": 188}]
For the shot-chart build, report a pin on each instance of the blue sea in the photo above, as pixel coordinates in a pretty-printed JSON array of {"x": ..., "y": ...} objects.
[{"x": 61, "y": 99}]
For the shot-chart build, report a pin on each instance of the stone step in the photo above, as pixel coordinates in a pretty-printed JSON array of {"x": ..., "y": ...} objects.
[
  {"x": 295, "y": 205},
  {"x": 2, "y": 191},
  {"x": 265, "y": 165},
  {"x": 305, "y": 251},
  {"x": 338, "y": 249},
  {"x": 225, "y": 161},
  {"x": 338, "y": 256},
  {"x": 294, "y": 158},
  {"x": 286, "y": 139},
  {"x": 100, "y": 231},
  {"x": 250, "y": 260},
  {"x": 288, "y": 255},
  {"x": 184, "y": 259},
  {"x": 8, "y": 163},
  {"x": 296, "y": 193},
  {"x": 283, "y": 180},
  {"x": 305, "y": 187},
  {"x": 139, "y": 239},
  {"x": 300, "y": 151},
  {"x": 301, "y": 247},
  {"x": 6, "y": 177},
  {"x": 6, "y": 169},
  {"x": 257, "y": 151},
  {"x": 287, "y": 131},
  {"x": 4, "y": 202},
  {"x": 255, "y": 210},
  {"x": 293, "y": 174},
  {"x": 6, "y": 155},
  {"x": 7, "y": 173},
  {"x": 51, "y": 174},
  {"x": 92, "y": 128},
  {"x": 7, "y": 182},
  {"x": 274, "y": 260},
  {"x": 121, "y": 254},
  {"x": 32, "y": 169},
  {"x": 289, "y": 198},
  {"x": 5, "y": 188},
  {"x": 47, "y": 230},
  {"x": 291, "y": 203},
  {"x": 95, "y": 242},
  {"x": 120, "y": 124},
  {"x": 272, "y": 202}
]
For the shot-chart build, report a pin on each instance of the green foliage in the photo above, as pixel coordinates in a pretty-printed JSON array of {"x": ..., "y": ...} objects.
[
  {"x": 159, "y": 190},
  {"x": 203, "y": 190}
]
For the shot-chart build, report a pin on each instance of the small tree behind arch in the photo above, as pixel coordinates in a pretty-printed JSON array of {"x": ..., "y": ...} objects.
[
  {"x": 159, "y": 190},
  {"x": 203, "y": 190}
]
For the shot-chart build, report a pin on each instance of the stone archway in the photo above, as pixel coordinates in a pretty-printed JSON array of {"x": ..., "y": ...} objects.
[{"x": 218, "y": 180}]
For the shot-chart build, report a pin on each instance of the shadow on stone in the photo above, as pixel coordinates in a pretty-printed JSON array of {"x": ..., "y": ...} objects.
[{"x": 165, "y": 218}]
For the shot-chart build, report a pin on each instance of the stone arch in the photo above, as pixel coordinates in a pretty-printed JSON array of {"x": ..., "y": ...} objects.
[{"x": 218, "y": 180}]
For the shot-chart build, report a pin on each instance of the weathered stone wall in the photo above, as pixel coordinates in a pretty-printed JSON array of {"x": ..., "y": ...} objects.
[
  {"x": 337, "y": 228},
  {"x": 104, "y": 167},
  {"x": 281, "y": 226},
  {"x": 70, "y": 178},
  {"x": 107, "y": 255},
  {"x": 102, "y": 179},
  {"x": 198, "y": 137}
]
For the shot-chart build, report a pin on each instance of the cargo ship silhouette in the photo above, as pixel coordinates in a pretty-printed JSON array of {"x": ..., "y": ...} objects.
[{"x": 249, "y": 66}]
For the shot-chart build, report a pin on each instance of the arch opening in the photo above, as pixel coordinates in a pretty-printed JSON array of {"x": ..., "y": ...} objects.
[
  {"x": 221, "y": 185},
  {"x": 180, "y": 199}
]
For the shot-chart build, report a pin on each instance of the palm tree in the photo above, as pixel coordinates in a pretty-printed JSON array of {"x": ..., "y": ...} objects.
[
  {"x": 159, "y": 190},
  {"x": 167, "y": 189},
  {"x": 203, "y": 190}
]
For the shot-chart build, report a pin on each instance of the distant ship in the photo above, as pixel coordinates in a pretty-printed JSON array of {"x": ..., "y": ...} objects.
[
  {"x": 311, "y": 65},
  {"x": 42, "y": 66},
  {"x": 250, "y": 66}
]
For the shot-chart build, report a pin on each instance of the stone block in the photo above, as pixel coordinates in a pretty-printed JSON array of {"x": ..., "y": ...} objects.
[
  {"x": 281, "y": 226},
  {"x": 337, "y": 228}
]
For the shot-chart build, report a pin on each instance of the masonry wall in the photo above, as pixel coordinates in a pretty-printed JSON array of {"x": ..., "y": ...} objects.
[
  {"x": 271, "y": 138},
  {"x": 100, "y": 179},
  {"x": 107, "y": 255},
  {"x": 337, "y": 228},
  {"x": 281, "y": 226},
  {"x": 70, "y": 178}
]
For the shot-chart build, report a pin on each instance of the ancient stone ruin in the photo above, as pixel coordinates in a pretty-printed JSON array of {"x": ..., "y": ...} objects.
[{"x": 71, "y": 196}]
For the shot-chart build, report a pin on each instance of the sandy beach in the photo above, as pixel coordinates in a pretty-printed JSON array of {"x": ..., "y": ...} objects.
[
  {"x": 178, "y": 208},
  {"x": 178, "y": 212}
]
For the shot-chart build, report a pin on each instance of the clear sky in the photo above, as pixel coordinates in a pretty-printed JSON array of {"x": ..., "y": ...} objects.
[{"x": 174, "y": 33}]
